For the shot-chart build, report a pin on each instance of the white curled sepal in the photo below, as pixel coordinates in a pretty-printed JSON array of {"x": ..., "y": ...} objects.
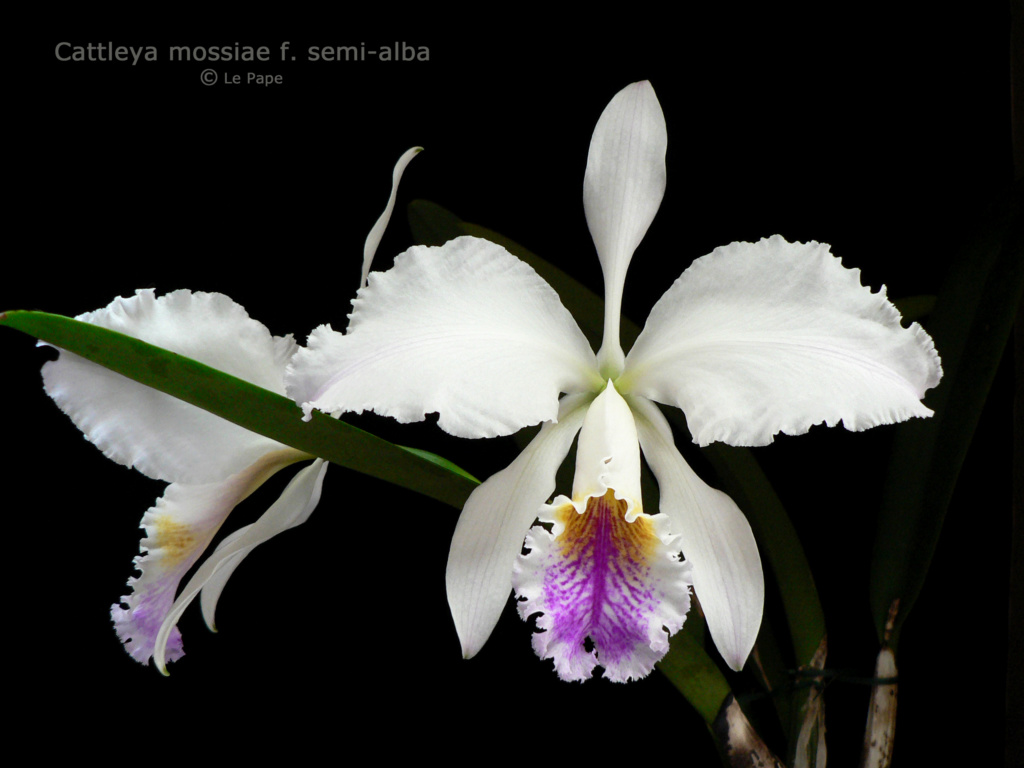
[
  {"x": 377, "y": 231},
  {"x": 179, "y": 528},
  {"x": 293, "y": 508},
  {"x": 489, "y": 535}
]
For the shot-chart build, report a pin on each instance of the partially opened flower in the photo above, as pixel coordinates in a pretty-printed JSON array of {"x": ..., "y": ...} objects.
[
  {"x": 752, "y": 340},
  {"x": 210, "y": 463}
]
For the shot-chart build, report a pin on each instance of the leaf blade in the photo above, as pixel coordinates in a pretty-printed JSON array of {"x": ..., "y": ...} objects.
[
  {"x": 249, "y": 406},
  {"x": 971, "y": 324}
]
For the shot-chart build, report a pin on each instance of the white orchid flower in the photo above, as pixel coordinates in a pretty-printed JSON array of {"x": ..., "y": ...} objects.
[
  {"x": 752, "y": 340},
  {"x": 210, "y": 463}
]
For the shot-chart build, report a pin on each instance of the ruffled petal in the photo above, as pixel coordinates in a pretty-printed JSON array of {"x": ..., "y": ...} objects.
[
  {"x": 493, "y": 524},
  {"x": 622, "y": 190},
  {"x": 179, "y": 528},
  {"x": 767, "y": 337},
  {"x": 161, "y": 436},
  {"x": 606, "y": 573},
  {"x": 465, "y": 329},
  {"x": 377, "y": 232},
  {"x": 716, "y": 540},
  {"x": 293, "y": 509}
]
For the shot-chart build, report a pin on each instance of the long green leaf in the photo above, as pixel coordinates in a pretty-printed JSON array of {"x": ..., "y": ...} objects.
[
  {"x": 693, "y": 673},
  {"x": 803, "y": 714},
  {"x": 915, "y": 307},
  {"x": 748, "y": 486},
  {"x": 970, "y": 324},
  {"x": 249, "y": 406}
]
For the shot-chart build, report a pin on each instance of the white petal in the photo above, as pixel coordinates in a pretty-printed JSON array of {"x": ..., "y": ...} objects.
[
  {"x": 608, "y": 454},
  {"x": 234, "y": 548},
  {"x": 767, "y": 337},
  {"x": 179, "y": 527},
  {"x": 294, "y": 506},
  {"x": 493, "y": 524},
  {"x": 377, "y": 232},
  {"x": 716, "y": 537},
  {"x": 465, "y": 329},
  {"x": 162, "y": 436},
  {"x": 623, "y": 188}
]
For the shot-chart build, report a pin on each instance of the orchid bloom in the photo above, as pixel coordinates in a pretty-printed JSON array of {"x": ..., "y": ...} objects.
[
  {"x": 210, "y": 463},
  {"x": 751, "y": 340}
]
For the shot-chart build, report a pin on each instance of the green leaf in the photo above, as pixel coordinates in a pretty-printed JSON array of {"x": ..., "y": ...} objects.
[
  {"x": 747, "y": 485},
  {"x": 693, "y": 672},
  {"x": 970, "y": 324},
  {"x": 742, "y": 478},
  {"x": 250, "y": 406},
  {"x": 432, "y": 224},
  {"x": 772, "y": 670},
  {"x": 440, "y": 461},
  {"x": 915, "y": 307}
]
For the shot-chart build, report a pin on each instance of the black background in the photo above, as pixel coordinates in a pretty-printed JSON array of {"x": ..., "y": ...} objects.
[{"x": 882, "y": 134}]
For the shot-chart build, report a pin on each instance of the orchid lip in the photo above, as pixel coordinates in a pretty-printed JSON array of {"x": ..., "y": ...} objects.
[{"x": 606, "y": 577}]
